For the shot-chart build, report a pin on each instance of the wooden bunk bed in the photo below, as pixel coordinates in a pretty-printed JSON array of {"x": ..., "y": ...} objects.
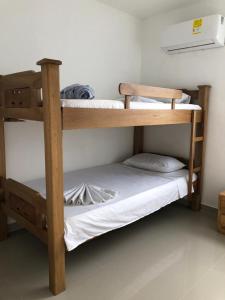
[{"x": 36, "y": 96}]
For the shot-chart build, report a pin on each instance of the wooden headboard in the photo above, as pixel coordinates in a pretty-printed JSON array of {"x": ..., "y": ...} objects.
[
  {"x": 130, "y": 89},
  {"x": 21, "y": 89}
]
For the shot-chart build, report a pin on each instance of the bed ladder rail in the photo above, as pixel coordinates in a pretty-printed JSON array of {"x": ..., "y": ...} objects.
[
  {"x": 194, "y": 198},
  {"x": 197, "y": 150}
]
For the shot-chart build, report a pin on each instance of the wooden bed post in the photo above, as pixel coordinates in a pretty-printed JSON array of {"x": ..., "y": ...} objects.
[
  {"x": 198, "y": 134},
  {"x": 138, "y": 139},
  {"x": 54, "y": 173},
  {"x": 3, "y": 217}
]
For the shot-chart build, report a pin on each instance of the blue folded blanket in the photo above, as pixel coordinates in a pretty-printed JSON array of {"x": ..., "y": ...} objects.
[{"x": 78, "y": 91}]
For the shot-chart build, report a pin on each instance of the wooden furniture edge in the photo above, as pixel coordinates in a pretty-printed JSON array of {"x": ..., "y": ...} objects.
[
  {"x": 32, "y": 114},
  {"x": 221, "y": 213},
  {"x": 21, "y": 96},
  {"x": 131, "y": 89},
  {"x": 77, "y": 118},
  {"x": 81, "y": 118},
  {"x": 198, "y": 134},
  {"x": 54, "y": 173},
  {"x": 3, "y": 216},
  {"x": 21, "y": 190},
  {"x": 49, "y": 61},
  {"x": 27, "y": 225},
  {"x": 21, "y": 80},
  {"x": 27, "y": 207},
  {"x": 138, "y": 140},
  {"x": 34, "y": 79}
]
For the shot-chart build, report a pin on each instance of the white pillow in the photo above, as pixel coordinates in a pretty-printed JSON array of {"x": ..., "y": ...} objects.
[
  {"x": 154, "y": 162},
  {"x": 186, "y": 99},
  {"x": 143, "y": 99}
]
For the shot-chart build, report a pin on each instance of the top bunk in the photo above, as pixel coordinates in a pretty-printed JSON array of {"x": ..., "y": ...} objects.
[{"x": 31, "y": 95}]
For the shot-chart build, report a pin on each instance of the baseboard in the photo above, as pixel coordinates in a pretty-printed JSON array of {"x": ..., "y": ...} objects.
[
  {"x": 209, "y": 208},
  {"x": 205, "y": 207}
]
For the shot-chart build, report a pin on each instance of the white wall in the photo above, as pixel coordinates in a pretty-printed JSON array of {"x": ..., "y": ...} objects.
[
  {"x": 188, "y": 70},
  {"x": 98, "y": 45}
]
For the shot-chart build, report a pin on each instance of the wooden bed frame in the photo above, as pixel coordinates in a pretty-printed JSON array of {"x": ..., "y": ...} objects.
[{"x": 21, "y": 99}]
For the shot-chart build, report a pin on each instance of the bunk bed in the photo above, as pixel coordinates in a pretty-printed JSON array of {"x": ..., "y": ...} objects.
[{"x": 36, "y": 96}]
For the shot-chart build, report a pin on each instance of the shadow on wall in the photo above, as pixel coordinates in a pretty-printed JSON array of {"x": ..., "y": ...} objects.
[
  {"x": 82, "y": 148},
  {"x": 163, "y": 139}
]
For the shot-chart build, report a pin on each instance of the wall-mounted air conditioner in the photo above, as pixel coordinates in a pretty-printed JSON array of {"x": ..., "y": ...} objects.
[{"x": 198, "y": 34}]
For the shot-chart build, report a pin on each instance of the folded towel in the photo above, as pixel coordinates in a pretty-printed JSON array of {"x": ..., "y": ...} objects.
[
  {"x": 78, "y": 91},
  {"x": 87, "y": 194}
]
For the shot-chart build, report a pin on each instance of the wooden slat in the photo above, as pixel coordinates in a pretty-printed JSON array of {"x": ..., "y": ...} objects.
[
  {"x": 33, "y": 114},
  {"x": 173, "y": 104},
  {"x": 128, "y": 89},
  {"x": 3, "y": 217},
  {"x": 199, "y": 139},
  {"x": 54, "y": 174},
  {"x": 21, "y": 80},
  {"x": 25, "y": 97},
  {"x": 1, "y": 92},
  {"x": 192, "y": 153},
  {"x": 19, "y": 74},
  {"x": 26, "y": 206},
  {"x": 75, "y": 118},
  {"x": 203, "y": 96},
  {"x": 197, "y": 170},
  {"x": 222, "y": 210},
  {"x": 26, "y": 193},
  {"x": 21, "y": 89},
  {"x": 127, "y": 102},
  {"x": 41, "y": 234},
  {"x": 201, "y": 129},
  {"x": 138, "y": 139},
  {"x": 221, "y": 213},
  {"x": 204, "y": 91}
]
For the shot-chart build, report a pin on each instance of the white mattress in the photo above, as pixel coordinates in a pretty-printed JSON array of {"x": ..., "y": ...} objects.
[
  {"x": 140, "y": 193},
  {"x": 117, "y": 104}
]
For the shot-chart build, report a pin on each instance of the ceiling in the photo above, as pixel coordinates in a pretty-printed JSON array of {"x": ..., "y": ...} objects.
[{"x": 145, "y": 8}]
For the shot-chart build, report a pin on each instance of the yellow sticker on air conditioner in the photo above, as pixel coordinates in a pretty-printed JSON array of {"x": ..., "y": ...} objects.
[{"x": 197, "y": 26}]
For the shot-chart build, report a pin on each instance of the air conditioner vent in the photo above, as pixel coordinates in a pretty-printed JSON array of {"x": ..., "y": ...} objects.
[{"x": 191, "y": 47}]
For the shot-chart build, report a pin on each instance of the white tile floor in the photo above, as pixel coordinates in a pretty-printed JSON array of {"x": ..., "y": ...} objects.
[{"x": 174, "y": 254}]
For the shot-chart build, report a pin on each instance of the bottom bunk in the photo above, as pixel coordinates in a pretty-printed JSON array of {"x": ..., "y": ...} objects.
[{"x": 138, "y": 193}]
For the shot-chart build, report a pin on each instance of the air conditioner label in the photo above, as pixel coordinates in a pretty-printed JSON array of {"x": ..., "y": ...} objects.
[{"x": 197, "y": 26}]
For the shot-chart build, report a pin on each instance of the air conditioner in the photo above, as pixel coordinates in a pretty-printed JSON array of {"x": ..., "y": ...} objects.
[{"x": 197, "y": 34}]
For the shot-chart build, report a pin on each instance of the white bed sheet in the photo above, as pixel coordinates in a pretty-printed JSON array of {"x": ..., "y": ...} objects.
[
  {"x": 117, "y": 104},
  {"x": 140, "y": 193}
]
